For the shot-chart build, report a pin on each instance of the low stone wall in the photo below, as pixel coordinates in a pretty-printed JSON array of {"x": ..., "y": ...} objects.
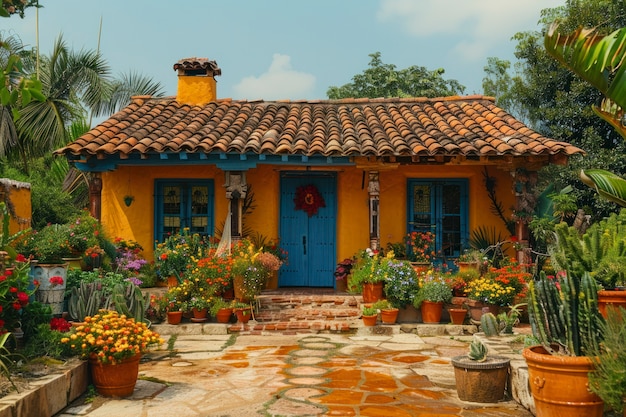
[{"x": 48, "y": 395}]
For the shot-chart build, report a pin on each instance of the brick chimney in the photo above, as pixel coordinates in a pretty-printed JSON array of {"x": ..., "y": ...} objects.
[{"x": 196, "y": 80}]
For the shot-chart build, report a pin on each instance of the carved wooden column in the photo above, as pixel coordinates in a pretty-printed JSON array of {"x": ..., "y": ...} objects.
[
  {"x": 373, "y": 189},
  {"x": 236, "y": 189},
  {"x": 95, "y": 196}
]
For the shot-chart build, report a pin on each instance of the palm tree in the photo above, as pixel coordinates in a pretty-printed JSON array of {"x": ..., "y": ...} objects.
[
  {"x": 599, "y": 60},
  {"x": 74, "y": 84}
]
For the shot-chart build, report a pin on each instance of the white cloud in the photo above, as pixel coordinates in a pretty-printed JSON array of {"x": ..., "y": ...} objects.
[
  {"x": 280, "y": 81},
  {"x": 479, "y": 25}
]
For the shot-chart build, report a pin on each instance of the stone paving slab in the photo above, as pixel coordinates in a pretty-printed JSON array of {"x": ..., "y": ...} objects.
[{"x": 364, "y": 374}]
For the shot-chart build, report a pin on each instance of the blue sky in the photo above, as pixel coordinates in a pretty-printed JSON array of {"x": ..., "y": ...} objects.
[{"x": 286, "y": 49}]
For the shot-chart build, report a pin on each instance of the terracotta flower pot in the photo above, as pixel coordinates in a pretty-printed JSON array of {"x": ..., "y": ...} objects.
[
  {"x": 559, "y": 384},
  {"x": 370, "y": 320},
  {"x": 431, "y": 312},
  {"x": 243, "y": 314},
  {"x": 389, "y": 315},
  {"x": 199, "y": 313},
  {"x": 372, "y": 292},
  {"x": 115, "y": 380},
  {"x": 477, "y": 309},
  {"x": 223, "y": 315},
  {"x": 174, "y": 317},
  {"x": 457, "y": 315},
  {"x": 608, "y": 299}
]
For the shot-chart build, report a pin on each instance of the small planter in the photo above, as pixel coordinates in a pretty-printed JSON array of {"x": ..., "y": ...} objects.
[
  {"x": 224, "y": 315},
  {"x": 421, "y": 267},
  {"x": 477, "y": 309},
  {"x": 243, "y": 314},
  {"x": 431, "y": 312},
  {"x": 457, "y": 315},
  {"x": 389, "y": 315},
  {"x": 481, "y": 382},
  {"x": 172, "y": 281},
  {"x": 199, "y": 313},
  {"x": 174, "y": 317},
  {"x": 370, "y": 320}
]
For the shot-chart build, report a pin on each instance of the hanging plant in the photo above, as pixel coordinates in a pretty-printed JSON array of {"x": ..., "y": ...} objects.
[{"x": 309, "y": 199}]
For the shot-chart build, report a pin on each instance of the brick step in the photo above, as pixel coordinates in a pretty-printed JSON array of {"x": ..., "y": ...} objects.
[{"x": 287, "y": 307}]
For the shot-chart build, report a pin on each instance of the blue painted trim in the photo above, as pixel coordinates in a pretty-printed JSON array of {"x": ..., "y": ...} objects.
[{"x": 226, "y": 162}]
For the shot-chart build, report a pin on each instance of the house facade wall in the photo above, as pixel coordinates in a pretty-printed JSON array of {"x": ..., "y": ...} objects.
[{"x": 136, "y": 221}]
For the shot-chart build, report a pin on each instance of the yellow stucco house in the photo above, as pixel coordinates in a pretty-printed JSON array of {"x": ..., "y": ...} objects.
[{"x": 329, "y": 177}]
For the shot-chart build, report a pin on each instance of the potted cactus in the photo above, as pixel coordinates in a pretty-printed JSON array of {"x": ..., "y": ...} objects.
[
  {"x": 480, "y": 377},
  {"x": 566, "y": 321},
  {"x": 600, "y": 251}
]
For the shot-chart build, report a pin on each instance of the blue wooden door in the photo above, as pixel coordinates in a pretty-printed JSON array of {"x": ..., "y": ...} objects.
[
  {"x": 308, "y": 239},
  {"x": 440, "y": 206}
]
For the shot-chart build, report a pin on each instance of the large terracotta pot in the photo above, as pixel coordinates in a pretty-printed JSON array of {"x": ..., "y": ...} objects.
[
  {"x": 389, "y": 315},
  {"x": 116, "y": 380},
  {"x": 481, "y": 382},
  {"x": 559, "y": 384},
  {"x": 372, "y": 292},
  {"x": 610, "y": 299},
  {"x": 431, "y": 311}
]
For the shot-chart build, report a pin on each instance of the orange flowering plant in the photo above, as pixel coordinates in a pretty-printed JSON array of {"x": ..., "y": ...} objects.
[
  {"x": 500, "y": 286},
  {"x": 111, "y": 337},
  {"x": 420, "y": 246}
]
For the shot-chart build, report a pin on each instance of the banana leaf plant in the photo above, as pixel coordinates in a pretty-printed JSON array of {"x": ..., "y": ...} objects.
[{"x": 598, "y": 59}]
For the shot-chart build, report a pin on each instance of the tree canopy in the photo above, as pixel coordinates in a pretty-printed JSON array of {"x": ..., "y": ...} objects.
[
  {"x": 383, "y": 80},
  {"x": 557, "y": 103}
]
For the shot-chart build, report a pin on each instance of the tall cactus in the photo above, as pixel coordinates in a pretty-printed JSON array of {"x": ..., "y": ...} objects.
[
  {"x": 600, "y": 251},
  {"x": 85, "y": 300},
  {"x": 129, "y": 300},
  {"x": 567, "y": 316}
]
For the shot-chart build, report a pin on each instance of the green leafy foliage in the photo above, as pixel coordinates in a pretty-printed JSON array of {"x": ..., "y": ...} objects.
[{"x": 383, "y": 80}]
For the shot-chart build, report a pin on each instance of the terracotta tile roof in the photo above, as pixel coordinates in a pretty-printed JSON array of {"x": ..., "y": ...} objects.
[{"x": 472, "y": 127}]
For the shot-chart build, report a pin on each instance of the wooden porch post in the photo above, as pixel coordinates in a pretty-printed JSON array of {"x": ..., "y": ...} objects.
[
  {"x": 95, "y": 196},
  {"x": 373, "y": 189},
  {"x": 236, "y": 189},
  {"x": 525, "y": 202}
]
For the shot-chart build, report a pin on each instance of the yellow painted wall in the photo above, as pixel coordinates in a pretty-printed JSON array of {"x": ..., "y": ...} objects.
[
  {"x": 18, "y": 195},
  {"x": 137, "y": 221}
]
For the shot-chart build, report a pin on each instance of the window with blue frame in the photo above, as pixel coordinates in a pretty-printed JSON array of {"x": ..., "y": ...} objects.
[
  {"x": 440, "y": 206},
  {"x": 183, "y": 204}
]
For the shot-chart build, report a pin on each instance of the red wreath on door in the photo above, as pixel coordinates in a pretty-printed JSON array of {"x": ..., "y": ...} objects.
[{"x": 309, "y": 199}]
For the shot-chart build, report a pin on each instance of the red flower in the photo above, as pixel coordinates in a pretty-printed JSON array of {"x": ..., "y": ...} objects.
[
  {"x": 13, "y": 290},
  {"x": 163, "y": 256},
  {"x": 17, "y": 305},
  {"x": 22, "y": 297},
  {"x": 8, "y": 272}
]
